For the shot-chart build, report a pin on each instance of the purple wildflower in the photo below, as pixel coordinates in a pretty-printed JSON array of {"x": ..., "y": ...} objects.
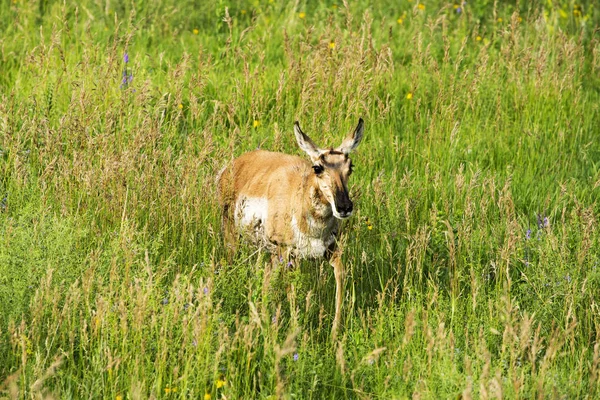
[
  {"x": 539, "y": 221},
  {"x": 296, "y": 356},
  {"x": 458, "y": 10},
  {"x": 165, "y": 301},
  {"x": 546, "y": 222},
  {"x": 205, "y": 290},
  {"x": 127, "y": 75},
  {"x": 528, "y": 234},
  {"x": 274, "y": 319}
]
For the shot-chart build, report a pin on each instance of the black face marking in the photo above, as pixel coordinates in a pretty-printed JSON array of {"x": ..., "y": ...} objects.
[{"x": 318, "y": 169}]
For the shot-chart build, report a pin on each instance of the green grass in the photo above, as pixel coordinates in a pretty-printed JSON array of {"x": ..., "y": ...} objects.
[{"x": 114, "y": 280}]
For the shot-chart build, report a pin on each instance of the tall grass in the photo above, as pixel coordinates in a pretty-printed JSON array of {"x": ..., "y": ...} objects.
[{"x": 472, "y": 259}]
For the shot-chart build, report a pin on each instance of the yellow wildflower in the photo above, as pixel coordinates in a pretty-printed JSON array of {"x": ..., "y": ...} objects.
[
  {"x": 478, "y": 38},
  {"x": 334, "y": 6},
  {"x": 332, "y": 45},
  {"x": 577, "y": 13},
  {"x": 220, "y": 383},
  {"x": 369, "y": 227},
  {"x": 207, "y": 396},
  {"x": 301, "y": 15},
  {"x": 243, "y": 12},
  {"x": 499, "y": 19},
  {"x": 520, "y": 19},
  {"x": 563, "y": 13},
  {"x": 119, "y": 397},
  {"x": 400, "y": 20},
  {"x": 170, "y": 390},
  {"x": 180, "y": 106},
  {"x": 27, "y": 343},
  {"x": 421, "y": 6},
  {"x": 408, "y": 96},
  {"x": 456, "y": 6},
  {"x": 196, "y": 31},
  {"x": 256, "y": 123}
]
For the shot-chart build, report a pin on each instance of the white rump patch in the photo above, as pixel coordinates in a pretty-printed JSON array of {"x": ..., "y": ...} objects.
[{"x": 251, "y": 212}]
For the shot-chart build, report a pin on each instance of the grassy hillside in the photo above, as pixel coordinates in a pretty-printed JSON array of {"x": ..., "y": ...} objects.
[{"x": 473, "y": 256}]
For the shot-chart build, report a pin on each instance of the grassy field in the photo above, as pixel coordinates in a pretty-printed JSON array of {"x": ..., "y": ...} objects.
[{"x": 473, "y": 256}]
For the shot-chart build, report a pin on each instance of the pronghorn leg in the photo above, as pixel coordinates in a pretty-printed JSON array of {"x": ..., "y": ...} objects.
[
  {"x": 338, "y": 271},
  {"x": 276, "y": 258},
  {"x": 229, "y": 232}
]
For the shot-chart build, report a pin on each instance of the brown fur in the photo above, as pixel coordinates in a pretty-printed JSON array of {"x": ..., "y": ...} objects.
[{"x": 289, "y": 184}]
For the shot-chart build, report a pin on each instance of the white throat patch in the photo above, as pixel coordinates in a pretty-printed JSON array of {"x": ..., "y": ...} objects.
[{"x": 312, "y": 246}]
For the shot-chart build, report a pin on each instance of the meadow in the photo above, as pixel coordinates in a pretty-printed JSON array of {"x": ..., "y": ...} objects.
[{"x": 472, "y": 259}]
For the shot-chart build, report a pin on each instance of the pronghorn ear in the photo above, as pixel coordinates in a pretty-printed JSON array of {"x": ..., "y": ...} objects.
[
  {"x": 353, "y": 140},
  {"x": 306, "y": 143}
]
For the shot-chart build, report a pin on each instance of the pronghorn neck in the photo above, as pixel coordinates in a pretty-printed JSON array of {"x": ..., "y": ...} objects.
[
  {"x": 314, "y": 225},
  {"x": 315, "y": 207}
]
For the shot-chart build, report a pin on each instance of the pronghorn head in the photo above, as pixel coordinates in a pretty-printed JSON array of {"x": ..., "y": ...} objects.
[{"x": 332, "y": 168}]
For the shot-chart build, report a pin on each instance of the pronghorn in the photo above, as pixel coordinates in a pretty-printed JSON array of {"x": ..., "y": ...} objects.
[{"x": 286, "y": 203}]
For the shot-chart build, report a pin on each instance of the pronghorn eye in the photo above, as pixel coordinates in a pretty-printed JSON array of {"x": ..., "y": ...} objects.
[{"x": 318, "y": 169}]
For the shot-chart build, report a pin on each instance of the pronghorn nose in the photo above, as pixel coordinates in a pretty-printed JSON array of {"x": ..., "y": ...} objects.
[{"x": 345, "y": 208}]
